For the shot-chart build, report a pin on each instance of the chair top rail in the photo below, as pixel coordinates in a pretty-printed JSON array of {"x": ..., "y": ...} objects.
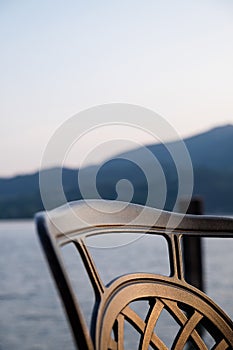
[{"x": 105, "y": 215}]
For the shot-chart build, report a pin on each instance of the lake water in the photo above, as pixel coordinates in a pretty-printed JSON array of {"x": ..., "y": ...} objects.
[{"x": 31, "y": 315}]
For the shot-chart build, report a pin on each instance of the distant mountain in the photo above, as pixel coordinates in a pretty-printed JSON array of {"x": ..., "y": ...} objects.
[
  {"x": 210, "y": 149},
  {"x": 212, "y": 159}
]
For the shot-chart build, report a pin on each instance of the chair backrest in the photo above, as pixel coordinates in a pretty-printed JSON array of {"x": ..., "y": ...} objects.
[{"x": 190, "y": 308}]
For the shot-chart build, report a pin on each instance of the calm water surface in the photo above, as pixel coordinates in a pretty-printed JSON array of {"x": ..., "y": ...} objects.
[{"x": 31, "y": 315}]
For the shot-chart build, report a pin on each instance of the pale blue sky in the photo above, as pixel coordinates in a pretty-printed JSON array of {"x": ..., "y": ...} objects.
[{"x": 60, "y": 57}]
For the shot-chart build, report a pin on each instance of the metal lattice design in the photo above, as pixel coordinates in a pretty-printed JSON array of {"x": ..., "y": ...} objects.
[{"x": 193, "y": 312}]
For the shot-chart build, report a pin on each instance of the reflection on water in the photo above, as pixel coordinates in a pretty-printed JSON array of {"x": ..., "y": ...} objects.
[{"x": 31, "y": 315}]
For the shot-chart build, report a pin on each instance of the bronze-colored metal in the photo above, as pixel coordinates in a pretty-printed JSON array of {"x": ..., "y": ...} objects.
[{"x": 187, "y": 305}]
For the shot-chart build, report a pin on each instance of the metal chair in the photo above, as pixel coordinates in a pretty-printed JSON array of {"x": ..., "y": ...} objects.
[{"x": 190, "y": 307}]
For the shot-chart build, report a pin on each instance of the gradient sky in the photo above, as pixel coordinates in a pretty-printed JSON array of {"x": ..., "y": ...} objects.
[{"x": 60, "y": 57}]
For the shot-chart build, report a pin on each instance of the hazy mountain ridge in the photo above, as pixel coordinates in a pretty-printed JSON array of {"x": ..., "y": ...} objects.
[{"x": 211, "y": 154}]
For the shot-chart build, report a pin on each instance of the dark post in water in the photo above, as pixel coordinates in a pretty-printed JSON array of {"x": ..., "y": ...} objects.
[{"x": 192, "y": 249}]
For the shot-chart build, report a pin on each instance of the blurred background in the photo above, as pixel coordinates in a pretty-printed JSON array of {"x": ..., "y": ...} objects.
[{"x": 59, "y": 58}]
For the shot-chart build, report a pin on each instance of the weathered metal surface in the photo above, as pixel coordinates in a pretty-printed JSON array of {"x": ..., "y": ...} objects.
[{"x": 187, "y": 305}]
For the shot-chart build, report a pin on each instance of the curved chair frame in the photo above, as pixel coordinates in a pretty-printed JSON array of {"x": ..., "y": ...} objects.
[{"x": 76, "y": 221}]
